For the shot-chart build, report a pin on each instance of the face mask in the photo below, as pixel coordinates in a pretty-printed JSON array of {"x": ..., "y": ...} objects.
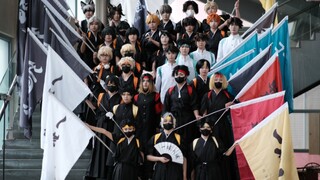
[
  {"x": 218, "y": 85},
  {"x": 168, "y": 126},
  {"x": 179, "y": 79},
  {"x": 190, "y": 13},
  {"x": 205, "y": 132},
  {"x": 112, "y": 88},
  {"x": 129, "y": 134},
  {"x": 126, "y": 69}
]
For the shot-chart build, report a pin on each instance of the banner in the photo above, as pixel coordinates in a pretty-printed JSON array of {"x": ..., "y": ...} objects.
[
  {"x": 57, "y": 22},
  {"x": 66, "y": 136},
  {"x": 281, "y": 45},
  {"x": 246, "y": 116},
  {"x": 243, "y": 76},
  {"x": 249, "y": 43},
  {"x": 64, "y": 84},
  {"x": 32, "y": 80},
  {"x": 70, "y": 56},
  {"x": 268, "y": 147},
  {"x": 264, "y": 22},
  {"x": 140, "y": 17},
  {"x": 266, "y": 81}
]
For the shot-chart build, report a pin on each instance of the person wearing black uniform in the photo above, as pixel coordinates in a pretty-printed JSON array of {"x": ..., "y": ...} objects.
[
  {"x": 149, "y": 104},
  {"x": 127, "y": 79},
  {"x": 128, "y": 156},
  {"x": 201, "y": 82},
  {"x": 219, "y": 98},
  {"x": 181, "y": 101},
  {"x": 164, "y": 168},
  {"x": 150, "y": 41},
  {"x": 207, "y": 152},
  {"x": 98, "y": 167}
]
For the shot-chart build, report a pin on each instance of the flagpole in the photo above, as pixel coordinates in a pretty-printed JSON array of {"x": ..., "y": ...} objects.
[
  {"x": 226, "y": 109},
  {"x": 103, "y": 143},
  {"x": 111, "y": 118},
  {"x": 190, "y": 122}
]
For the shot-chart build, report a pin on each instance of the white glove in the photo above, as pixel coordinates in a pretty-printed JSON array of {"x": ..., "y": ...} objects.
[{"x": 109, "y": 115}]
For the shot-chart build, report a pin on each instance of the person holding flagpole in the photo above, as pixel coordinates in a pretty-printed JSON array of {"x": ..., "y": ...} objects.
[
  {"x": 206, "y": 154},
  {"x": 98, "y": 167},
  {"x": 226, "y": 45},
  {"x": 93, "y": 36},
  {"x": 216, "y": 99},
  {"x": 127, "y": 155}
]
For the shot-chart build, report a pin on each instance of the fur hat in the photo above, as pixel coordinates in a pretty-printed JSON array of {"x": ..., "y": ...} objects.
[
  {"x": 113, "y": 9},
  {"x": 87, "y": 6}
]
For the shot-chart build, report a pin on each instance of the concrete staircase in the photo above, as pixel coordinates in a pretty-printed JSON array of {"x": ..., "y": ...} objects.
[{"x": 23, "y": 157}]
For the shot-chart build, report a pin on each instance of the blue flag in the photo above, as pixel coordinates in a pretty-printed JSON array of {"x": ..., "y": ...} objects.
[
  {"x": 264, "y": 39},
  {"x": 32, "y": 81},
  {"x": 281, "y": 43},
  {"x": 250, "y": 43},
  {"x": 237, "y": 58},
  {"x": 140, "y": 17}
]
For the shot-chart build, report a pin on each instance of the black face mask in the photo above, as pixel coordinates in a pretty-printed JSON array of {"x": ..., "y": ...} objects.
[
  {"x": 205, "y": 132},
  {"x": 112, "y": 88},
  {"x": 129, "y": 134},
  {"x": 168, "y": 126},
  {"x": 126, "y": 69},
  {"x": 179, "y": 79},
  {"x": 218, "y": 85}
]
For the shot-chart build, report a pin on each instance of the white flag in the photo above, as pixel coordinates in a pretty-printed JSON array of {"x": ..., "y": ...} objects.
[
  {"x": 66, "y": 138},
  {"x": 63, "y": 83}
]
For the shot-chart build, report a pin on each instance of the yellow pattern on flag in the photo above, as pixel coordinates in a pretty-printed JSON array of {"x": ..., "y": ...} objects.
[{"x": 268, "y": 147}]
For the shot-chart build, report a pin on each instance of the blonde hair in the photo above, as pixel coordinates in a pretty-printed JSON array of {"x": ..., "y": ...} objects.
[
  {"x": 153, "y": 18},
  {"x": 224, "y": 81},
  {"x": 210, "y": 4},
  {"x": 105, "y": 50},
  {"x": 127, "y": 60},
  {"x": 127, "y": 48}
]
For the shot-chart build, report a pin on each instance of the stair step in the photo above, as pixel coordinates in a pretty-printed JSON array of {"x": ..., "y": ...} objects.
[
  {"x": 33, "y": 154},
  {"x": 22, "y": 144},
  {"x": 37, "y": 164},
  {"x": 32, "y": 174},
  {"x": 18, "y": 134}
]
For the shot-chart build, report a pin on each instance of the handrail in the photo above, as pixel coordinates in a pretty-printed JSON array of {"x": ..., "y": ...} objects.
[{"x": 6, "y": 102}]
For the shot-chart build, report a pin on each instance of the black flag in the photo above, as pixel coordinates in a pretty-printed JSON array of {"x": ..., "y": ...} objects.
[
  {"x": 32, "y": 80},
  {"x": 140, "y": 17}
]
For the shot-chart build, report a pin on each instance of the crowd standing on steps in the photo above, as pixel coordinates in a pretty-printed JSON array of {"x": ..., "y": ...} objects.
[{"x": 148, "y": 87}]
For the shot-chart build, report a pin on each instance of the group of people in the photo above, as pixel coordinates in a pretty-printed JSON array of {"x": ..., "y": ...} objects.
[{"x": 154, "y": 88}]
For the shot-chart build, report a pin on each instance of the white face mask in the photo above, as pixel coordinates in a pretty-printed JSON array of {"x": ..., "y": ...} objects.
[{"x": 190, "y": 12}]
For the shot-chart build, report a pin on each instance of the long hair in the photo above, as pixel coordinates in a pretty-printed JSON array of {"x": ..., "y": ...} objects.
[{"x": 151, "y": 87}]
